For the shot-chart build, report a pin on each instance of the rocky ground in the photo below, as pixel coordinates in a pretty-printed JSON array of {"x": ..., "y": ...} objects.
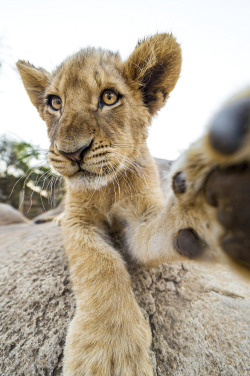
[{"x": 200, "y": 317}]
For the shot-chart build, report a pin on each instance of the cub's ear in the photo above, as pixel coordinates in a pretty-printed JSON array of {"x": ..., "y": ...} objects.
[
  {"x": 154, "y": 67},
  {"x": 35, "y": 81}
]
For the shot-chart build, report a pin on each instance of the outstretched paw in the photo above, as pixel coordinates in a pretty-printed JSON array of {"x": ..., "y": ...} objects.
[{"x": 218, "y": 168}]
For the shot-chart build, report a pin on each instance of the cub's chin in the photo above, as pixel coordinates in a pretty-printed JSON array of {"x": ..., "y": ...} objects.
[{"x": 84, "y": 180}]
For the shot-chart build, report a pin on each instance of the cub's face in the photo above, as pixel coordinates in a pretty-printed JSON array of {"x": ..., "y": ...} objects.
[
  {"x": 97, "y": 108},
  {"x": 96, "y": 122}
]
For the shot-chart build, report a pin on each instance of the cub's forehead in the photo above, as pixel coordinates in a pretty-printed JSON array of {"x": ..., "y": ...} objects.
[{"x": 91, "y": 67}]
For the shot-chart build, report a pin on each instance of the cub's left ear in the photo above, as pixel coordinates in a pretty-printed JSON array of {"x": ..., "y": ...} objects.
[
  {"x": 154, "y": 68},
  {"x": 35, "y": 81}
]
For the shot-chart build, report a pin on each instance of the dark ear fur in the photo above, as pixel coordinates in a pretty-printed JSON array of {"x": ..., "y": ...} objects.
[
  {"x": 35, "y": 81},
  {"x": 154, "y": 67}
]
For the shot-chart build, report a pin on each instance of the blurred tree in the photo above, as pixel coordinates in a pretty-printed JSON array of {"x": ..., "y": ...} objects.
[{"x": 26, "y": 180}]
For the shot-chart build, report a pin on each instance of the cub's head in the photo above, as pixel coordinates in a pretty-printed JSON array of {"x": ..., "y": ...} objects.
[{"x": 97, "y": 108}]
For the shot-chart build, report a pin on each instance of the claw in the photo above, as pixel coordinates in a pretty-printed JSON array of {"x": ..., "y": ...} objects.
[
  {"x": 238, "y": 247},
  {"x": 230, "y": 126}
]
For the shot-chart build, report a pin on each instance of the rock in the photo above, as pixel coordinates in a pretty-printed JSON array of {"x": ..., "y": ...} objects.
[
  {"x": 9, "y": 215},
  {"x": 200, "y": 317},
  {"x": 49, "y": 215}
]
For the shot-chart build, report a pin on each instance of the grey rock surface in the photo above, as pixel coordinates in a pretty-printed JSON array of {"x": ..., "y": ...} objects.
[
  {"x": 9, "y": 215},
  {"x": 49, "y": 215},
  {"x": 200, "y": 317}
]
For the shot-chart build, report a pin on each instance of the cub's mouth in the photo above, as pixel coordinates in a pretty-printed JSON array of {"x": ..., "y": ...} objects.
[
  {"x": 83, "y": 172},
  {"x": 83, "y": 179}
]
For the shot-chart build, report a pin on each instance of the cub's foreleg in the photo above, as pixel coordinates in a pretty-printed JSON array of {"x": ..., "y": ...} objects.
[
  {"x": 170, "y": 232},
  {"x": 108, "y": 335}
]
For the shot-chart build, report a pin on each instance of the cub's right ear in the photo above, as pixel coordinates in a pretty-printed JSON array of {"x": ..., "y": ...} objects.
[
  {"x": 35, "y": 81},
  {"x": 154, "y": 68}
]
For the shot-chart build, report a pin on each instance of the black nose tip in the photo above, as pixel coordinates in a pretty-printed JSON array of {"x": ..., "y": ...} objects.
[
  {"x": 78, "y": 155},
  {"x": 230, "y": 126}
]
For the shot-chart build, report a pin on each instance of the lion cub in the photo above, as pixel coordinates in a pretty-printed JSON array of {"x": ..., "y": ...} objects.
[{"x": 98, "y": 109}]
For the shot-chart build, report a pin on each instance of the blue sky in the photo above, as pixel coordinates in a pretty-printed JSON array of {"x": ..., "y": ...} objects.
[{"x": 214, "y": 35}]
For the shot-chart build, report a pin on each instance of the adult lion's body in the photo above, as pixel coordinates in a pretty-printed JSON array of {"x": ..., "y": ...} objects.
[{"x": 98, "y": 109}]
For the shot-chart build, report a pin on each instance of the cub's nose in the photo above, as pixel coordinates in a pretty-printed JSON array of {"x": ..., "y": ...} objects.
[{"x": 77, "y": 156}]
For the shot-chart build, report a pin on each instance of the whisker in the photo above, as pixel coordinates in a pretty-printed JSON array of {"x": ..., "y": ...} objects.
[
  {"x": 37, "y": 183},
  {"x": 44, "y": 180},
  {"x": 112, "y": 171},
  {"x": 135, "y": 166},
  {"x": 123, "y": 177},
  {"x": 29, "y": 172},
  {"x": 20, "y": 138},
  {"x": 31, "y": 197}
]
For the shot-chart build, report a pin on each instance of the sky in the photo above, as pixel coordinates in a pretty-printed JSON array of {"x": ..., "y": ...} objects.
[{"x": 214, "y": 36}]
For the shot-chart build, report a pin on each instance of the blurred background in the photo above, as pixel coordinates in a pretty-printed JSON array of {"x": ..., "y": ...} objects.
[{"x": 215, "y": 40}]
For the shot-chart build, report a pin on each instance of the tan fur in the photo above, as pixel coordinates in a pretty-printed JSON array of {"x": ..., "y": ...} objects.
[{"x": 119, "y": 188}]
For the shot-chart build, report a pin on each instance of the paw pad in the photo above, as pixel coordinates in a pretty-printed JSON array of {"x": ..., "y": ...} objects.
[
  {"x": 229, "y": 127},
  {"x": 228, "y": 189},
  {"x": 179, "y": 183},
  {"x": 189, "y": 244}
]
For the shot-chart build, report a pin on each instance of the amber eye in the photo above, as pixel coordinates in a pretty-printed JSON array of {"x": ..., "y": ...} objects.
[
  {"x": 55, "y": 102},
  {"x": 109, "y": 97}
]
